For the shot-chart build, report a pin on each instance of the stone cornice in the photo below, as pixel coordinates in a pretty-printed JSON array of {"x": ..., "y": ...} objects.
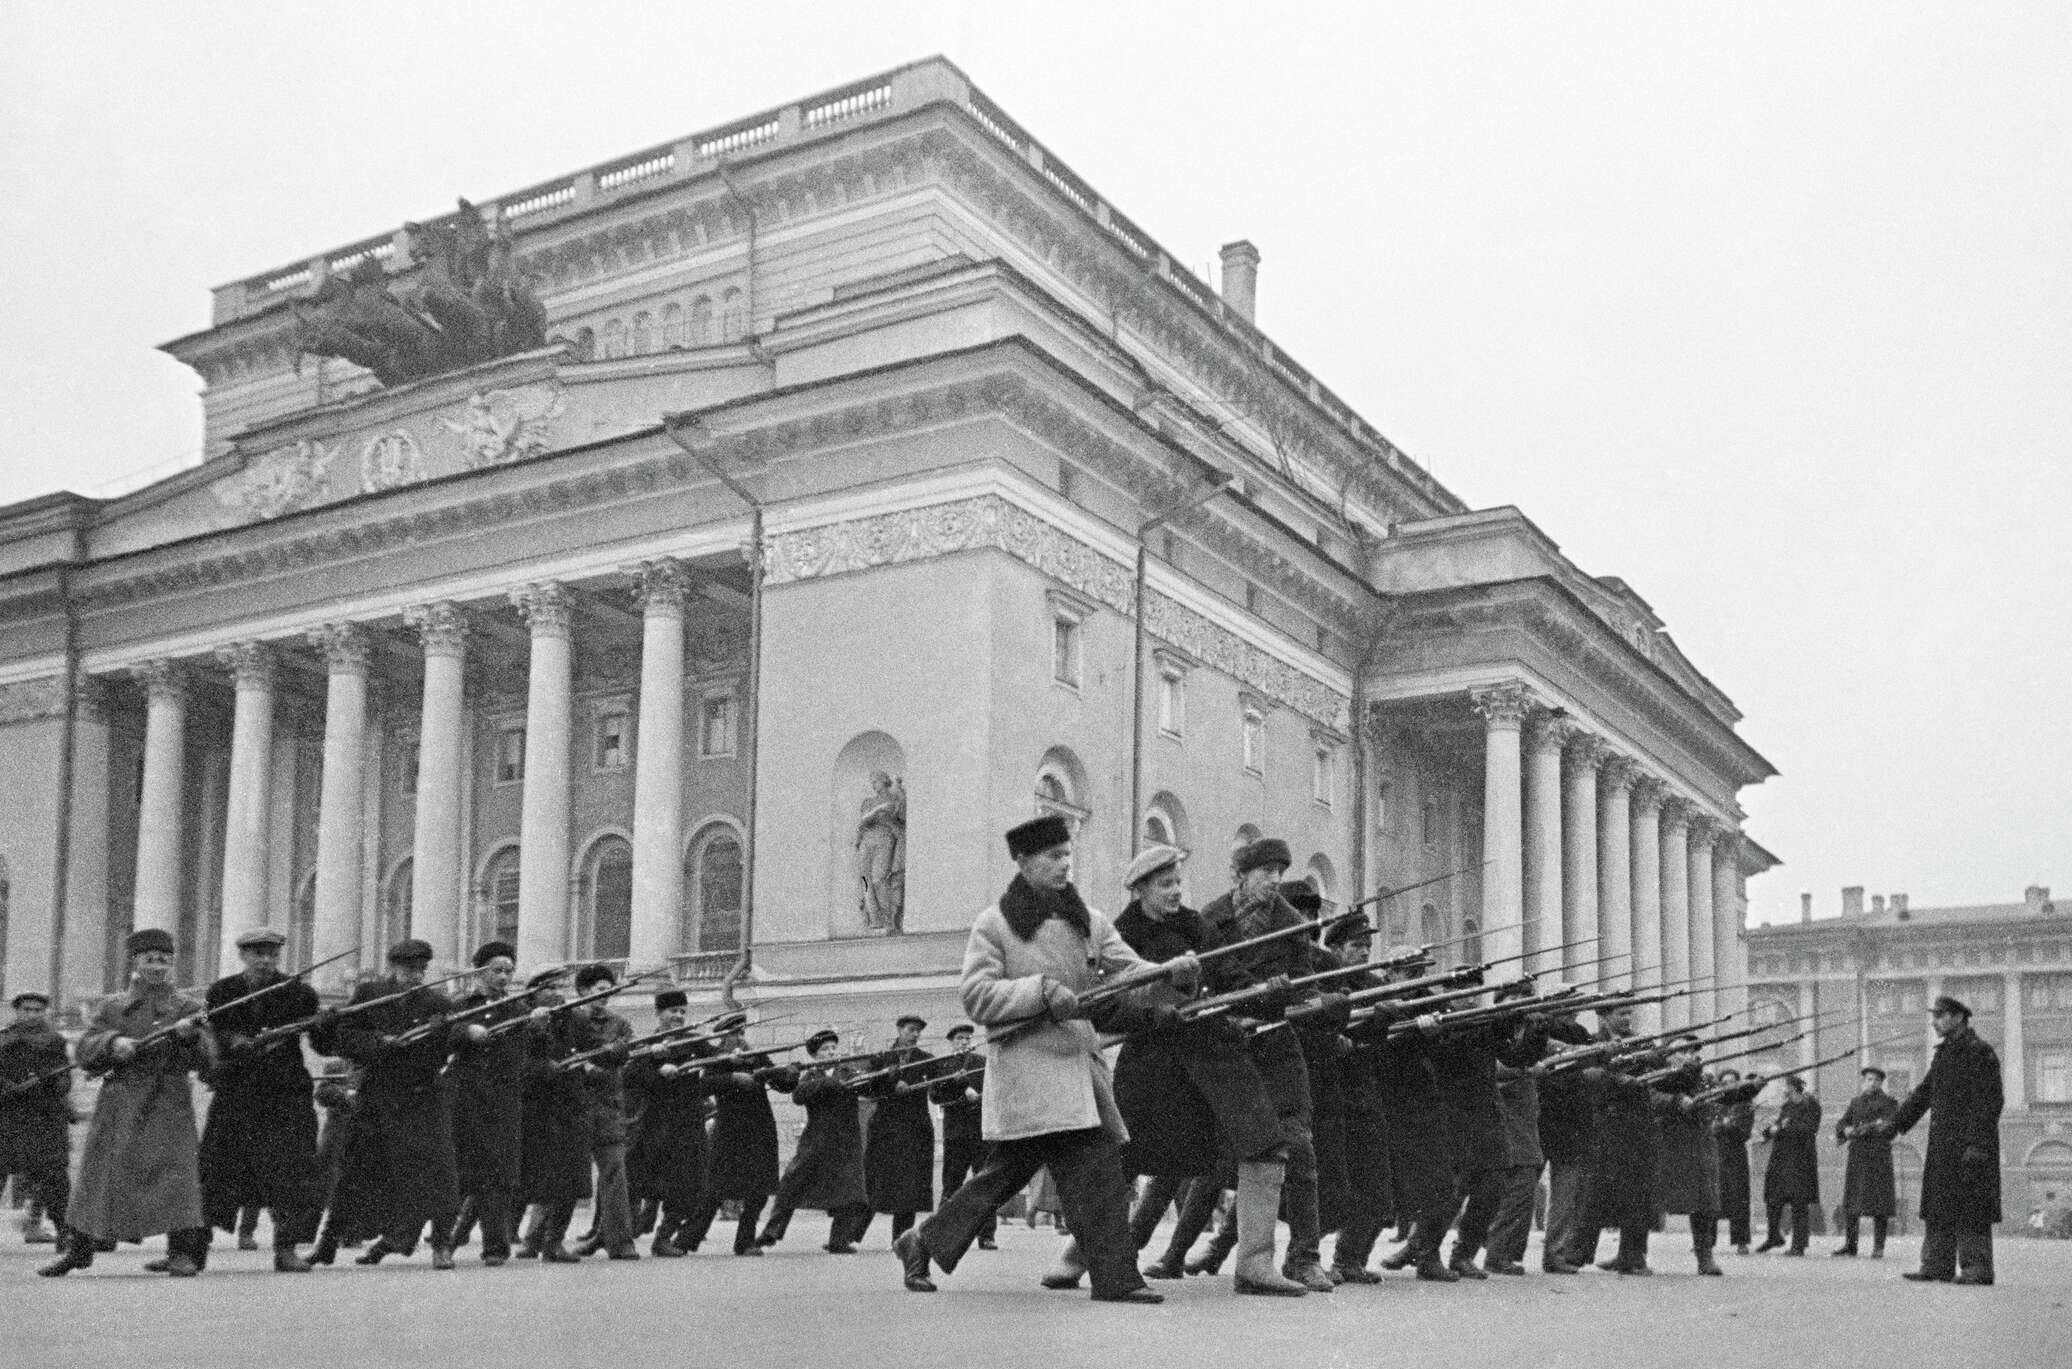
[{"x": 990, "y": 522}]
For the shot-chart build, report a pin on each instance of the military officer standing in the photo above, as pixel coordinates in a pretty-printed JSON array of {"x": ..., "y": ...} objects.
[{"x": 1869, "y": 1188}]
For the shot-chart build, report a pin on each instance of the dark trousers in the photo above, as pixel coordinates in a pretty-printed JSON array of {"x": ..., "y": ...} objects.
[
  {"x": 1159, "y": 1192},
  {"x": 1511, "y": 1228},
  {"x": 1087, "y": 1167},
  {"x": 902, "y": 1222},
  {"x": 494, "y": 1209},
  {"x": 1479, "y": 1191},
  {"x": 1704, "y": 1231},
  {"x": 1800, "y": 1224},
  {"x": 613, "y": 1214},
  {"x": 1567, "y": 1181},
  {"x": 50, "y": 1185},
  {"x": 1738, "y": 1232},
  {"x": 1852, "y": 1227},
  {"x": 701, "y": 1213},
  {"x": 1947, "y": 1250},
  {"x": 962, "y": 1156}
]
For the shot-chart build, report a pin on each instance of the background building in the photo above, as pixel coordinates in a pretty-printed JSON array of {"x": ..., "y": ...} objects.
[
  {"x": 879, "y": 483},
  {"x": 1877, "y": 968}
]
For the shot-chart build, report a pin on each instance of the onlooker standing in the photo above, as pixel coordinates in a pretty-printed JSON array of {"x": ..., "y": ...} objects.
[
  {"x": 35, "y": 1105},
  {"x": 1731, "y": 1128},
  {"x": 1960, "y": 1183},
  {"x": 1792, "y": 1179},
  {"x": 1867, "y": 1186}
]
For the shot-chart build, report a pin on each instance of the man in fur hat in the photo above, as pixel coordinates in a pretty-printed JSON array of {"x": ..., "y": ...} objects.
[{"x": 1049, "y": 1102}]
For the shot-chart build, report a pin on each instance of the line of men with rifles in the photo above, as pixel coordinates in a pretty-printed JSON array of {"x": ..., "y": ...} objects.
[{"x": 1265, "y": 1053}]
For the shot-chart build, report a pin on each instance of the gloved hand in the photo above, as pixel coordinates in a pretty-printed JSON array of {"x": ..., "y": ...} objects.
[
  {"x": 1060, "y": 1002},
  {"x": 123, "y": 1048},
  {"x": 1186, "y": 974},
  {"x": 540, "y": 1015}
]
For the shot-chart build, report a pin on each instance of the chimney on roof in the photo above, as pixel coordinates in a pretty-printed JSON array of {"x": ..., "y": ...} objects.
[
  {"x": 1806, "y": 906},
  {"x": 1877, "y": 905},
  {"x": 1241, "y": 278},
  {"x": 1852, "y": 901},
  {"x": 2037, "y": 899},
  {"x": 1899, "y": 907}
]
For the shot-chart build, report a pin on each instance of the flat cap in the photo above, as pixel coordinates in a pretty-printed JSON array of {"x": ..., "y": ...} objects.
[
  {"x": 913, "y": 1017},
  {"x": 261, "y": 936},
  {"x": 826, "y": 1036},
  {"x": 665, "y": 999},
  {"x": 410, "y": 951},
  {"x": 1150, "y": 861},
  {"x": 149, "y": 939},
  {"x": 29, "y": 996},
  {"x": 1949, "y": 1004}
]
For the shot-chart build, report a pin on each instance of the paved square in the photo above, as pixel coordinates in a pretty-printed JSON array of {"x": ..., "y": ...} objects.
[{"x": 799, "y": 1306}]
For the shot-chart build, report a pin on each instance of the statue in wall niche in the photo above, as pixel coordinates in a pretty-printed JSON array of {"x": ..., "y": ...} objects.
[
  {"x": 462, "y": 304},
  {"x": 881, "y": 853}
]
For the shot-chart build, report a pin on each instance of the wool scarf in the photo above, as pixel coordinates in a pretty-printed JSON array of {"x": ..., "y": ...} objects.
[{"x": 1027, "y": 907}]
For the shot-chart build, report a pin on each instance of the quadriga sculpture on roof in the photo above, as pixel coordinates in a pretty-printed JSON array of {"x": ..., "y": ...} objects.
[{"x": 463, "y": 303}]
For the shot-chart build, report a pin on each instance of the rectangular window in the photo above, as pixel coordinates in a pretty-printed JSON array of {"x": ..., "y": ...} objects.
[
  {"x": 1254, "y": 741},
  {"x": 1381, "y": 806},
  {"x": 2047, "y": 992},
  {"x": 1431, "y": 822},
  {"x": 1172, "y": 703},
  {"x": 612, "y": 749},
  {"x": 2052, "y": 1075},
  {"x": 1986, "y": 997},
  {"x": 1323, "y": 775},
  {"x": 406, "y": 764},
  {"x": 716, "y": 725},
  {"x": 510, "y": 755},
  {"x": 1064, "y": 650}
]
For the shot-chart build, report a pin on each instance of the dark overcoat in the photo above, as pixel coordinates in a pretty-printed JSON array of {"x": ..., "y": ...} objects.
[
  {"x": 899, "y": 1142},
  {"x": 1732, "y": 1124},
  {"x": 1464, "y": 1064},
  {"x": 960, "y": 1100},
  {"x": 1793, "y": 1174},
  {"x": 140, "y": 1174},
  {"x": 1277, "y": 1055},
  {"x": 1370, "y": 1182},
  {"x": 829, "y": 1159},
  {"x": 1622, "y": 1167},
  {"x": 1687, "y": 1160},
  {"x": 1321, "y": 1053},
  {"x": 1963, "y": 1090},
  {"x": 1568, "y": 1112},
  {"x": 1869, "y": 1188},
  {"x": 592, "y": 1028},
  {"x": 488, "y": 1086},
  {"x": 554, "y": 1145},
  {"x": 1518, "y": 1097},
  {"x": 1190, "y": 1094},
  {"x": 1420, "y": 1147},
  {"x": 259, "y": 1142},
  {"x": 35, "y": 1123},
  {"x": 741, "y": 1152},
  {"x": 666, "y": 1159},
  {"x": 401, "y": 1146}
]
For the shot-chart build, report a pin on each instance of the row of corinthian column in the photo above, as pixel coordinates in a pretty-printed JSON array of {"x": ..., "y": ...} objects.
[
  {"x": 439, "y": 845},
  {"x": 1583, "y": 839}
]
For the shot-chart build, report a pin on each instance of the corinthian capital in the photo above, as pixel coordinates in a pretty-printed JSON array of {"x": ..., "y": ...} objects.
[
  {"x": 1677, "y": 811},
  {"x": 545, "y": 608},
  {"x": 1587, "y": 750},
  {"x": 163, "y": 681},
  {"x": 1553, "y": 732},
  {"x": 251, "y": 664},
  {"x": 345, "y": 647},
  {"x": 1619, "y": 772},
  {"x": 662, "y": 585},
  {"x": 1647, "y": 791},
  {"x": 1704, "y": 831},
  {"x": 442, "y": 627},
  {"x": 1503, "y": 705}
]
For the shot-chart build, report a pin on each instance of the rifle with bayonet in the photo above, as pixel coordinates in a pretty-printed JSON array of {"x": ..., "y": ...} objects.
[
  {"x": 331, "y": 1016},
  {"x": 263, "y": 1039},
  {"x": 907, "y": 1088},
  {"x": 1598, "y": 1052},
  {"x": 483, "y": 1009},
  {"x": 555, "y": 1009},
  {"x": 1451, "y": 981},
  {"x": 1566, "y": 1001},
  {"x": 1387, "y": 894},
  {"x": 1755, "y": 1083}
]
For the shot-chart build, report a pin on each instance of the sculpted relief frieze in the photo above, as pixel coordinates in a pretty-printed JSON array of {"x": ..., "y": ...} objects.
[
  {"x": 490, "y": 428},
  {"x": 991, "y": 522}
]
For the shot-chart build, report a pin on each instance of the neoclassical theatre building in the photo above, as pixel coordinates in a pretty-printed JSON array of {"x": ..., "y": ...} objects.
[{"x": 875, "y": 484}]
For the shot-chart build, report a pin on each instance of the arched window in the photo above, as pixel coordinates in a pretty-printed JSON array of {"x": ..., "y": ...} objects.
[
  {"x": 733, "y": 316},
  {"x": 1158, "y": 829},
  {"x": 1431, "y": 928},
  {"x": 672, "y": 326},
  {"x": 614, "y": 339},
  {"x": 713, "y": 891},
  {"x": 1471, "y": 944},
  {"x": 701, "y": 321},
  {"x": 395, "y": 906},
  {"x": 1061, "y": 787},
  {"x": 586, "y": 344},
  {"x": 1322, "y": 875},
  {"x": 607, "y": 900},
  {"x": 1165, "y": 821},
  {"x": 641, "y": 340},
  {"x": 500, "y": 896}
]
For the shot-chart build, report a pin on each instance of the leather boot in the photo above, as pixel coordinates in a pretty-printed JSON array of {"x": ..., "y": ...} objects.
[
  {"x": 1424, "y": 1243},
  {"x": 286, "y": 1261},
  {"x": 1210, "y": 1261},
  {"x": 1708, "y": 1265},
  {"x": 1879, "y": 1226},
  {"x": 75, "y": 1251},
  {"x": 1462, "y": 1261},
  {"x": 1068, "y": 1270},
  {"x": 1305, "y": 1239},
  {"x": 1197, "y": 1210},
  {"x": 1258, "y": 1211}
]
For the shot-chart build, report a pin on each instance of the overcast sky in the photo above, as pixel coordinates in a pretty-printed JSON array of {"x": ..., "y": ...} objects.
[{"x": 1766, "y": 308}]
